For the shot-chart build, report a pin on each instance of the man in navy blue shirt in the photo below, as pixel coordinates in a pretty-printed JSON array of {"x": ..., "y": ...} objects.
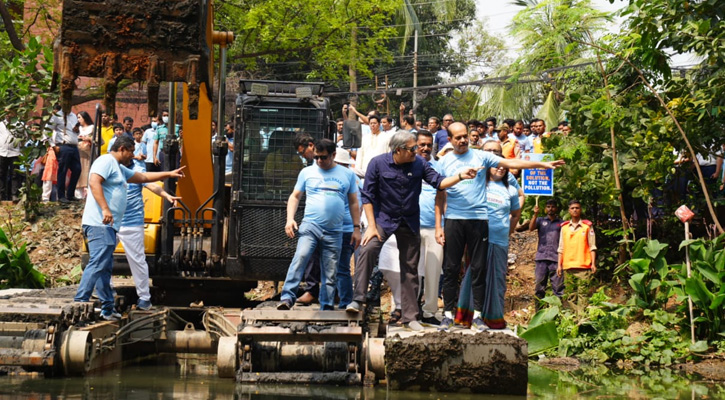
[
  {"x": 390, "y": 199},
  {"x": 547, "y": 256}
]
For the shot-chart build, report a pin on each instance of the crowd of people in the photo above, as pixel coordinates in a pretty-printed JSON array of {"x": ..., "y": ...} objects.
[
  {"x": 63, "y": 170},
  {"x": 431, "y": 210},
  {"x": 436, "y": 205}
]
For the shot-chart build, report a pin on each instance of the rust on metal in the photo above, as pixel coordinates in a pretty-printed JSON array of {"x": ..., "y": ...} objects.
[{"x": 145, "y": 40}]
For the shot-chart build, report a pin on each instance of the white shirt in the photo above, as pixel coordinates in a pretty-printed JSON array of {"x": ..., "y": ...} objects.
[
  {"x": 63, "y": 132},
  {"x": 7, "y": 142},
  {"x": 86, "y": 131},
  {"x": 372, "y": 145}
]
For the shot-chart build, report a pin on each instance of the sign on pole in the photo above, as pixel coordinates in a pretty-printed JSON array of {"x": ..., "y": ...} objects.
[{"x": 538, "y": 182}]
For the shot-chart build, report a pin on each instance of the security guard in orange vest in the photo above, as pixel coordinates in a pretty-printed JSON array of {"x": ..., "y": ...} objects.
[{"x": 577, "y": 246}]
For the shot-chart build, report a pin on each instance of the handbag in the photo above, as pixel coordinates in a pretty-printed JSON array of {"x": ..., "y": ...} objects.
[{"x": 84, "y": 145}]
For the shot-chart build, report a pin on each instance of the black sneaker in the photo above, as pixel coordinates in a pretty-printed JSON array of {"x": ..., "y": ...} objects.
[
  {"x": 431, "y": 320},
  {"x": 285, "y": 304}
]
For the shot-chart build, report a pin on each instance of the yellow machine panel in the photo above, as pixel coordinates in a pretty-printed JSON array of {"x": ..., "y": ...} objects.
[
  {"x": 198, "y": 184},
  {"x": 151, "y": 232}
]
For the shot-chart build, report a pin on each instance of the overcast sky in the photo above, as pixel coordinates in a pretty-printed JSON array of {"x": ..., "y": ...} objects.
[{"x": 500, "y": 12}]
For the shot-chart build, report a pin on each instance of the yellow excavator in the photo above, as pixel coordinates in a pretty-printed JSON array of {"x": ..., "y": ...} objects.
[{"x": 227, "y": 233}]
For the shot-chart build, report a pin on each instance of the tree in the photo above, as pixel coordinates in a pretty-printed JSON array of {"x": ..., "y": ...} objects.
[
  {"x": 25, "y": 81},
  {"x": 304, "y": 33}
]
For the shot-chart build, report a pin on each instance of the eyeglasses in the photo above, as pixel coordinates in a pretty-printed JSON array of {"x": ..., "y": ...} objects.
[
  {"x": 410, "y": 149},
  {"x": 323, "y": 158},
  {"x": 496, "y": 152}
]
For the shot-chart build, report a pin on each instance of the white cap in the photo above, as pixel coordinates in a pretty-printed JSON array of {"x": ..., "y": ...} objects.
[{"x": 342, "y": 156}]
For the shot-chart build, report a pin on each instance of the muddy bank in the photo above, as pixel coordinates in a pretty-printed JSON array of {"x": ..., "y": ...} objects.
[
  {"x": 451, "y": 362},
  {"x": 713, "y": 370}
]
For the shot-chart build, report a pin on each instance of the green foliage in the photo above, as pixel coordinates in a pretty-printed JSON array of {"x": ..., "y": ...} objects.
[
  {"x": 71, "y": 278},
  {"x": 25, "y": 81},
  {"x": 16, "y": 269},
  {"x": 649, "y": 271},
  {"x": 605, "y": 335},
  {"x": 644, "y": 330},
  {"x": 328, "y": 34},
  {"x": 705, "y": 286}
]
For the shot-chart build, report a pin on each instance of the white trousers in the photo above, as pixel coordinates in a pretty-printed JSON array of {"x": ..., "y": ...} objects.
[
  {"x": 430, "y": 263},
  {"x": 47, "y": 190},
  {"x": 132, "y": 239},
  {"x": 389, "y": 265}
]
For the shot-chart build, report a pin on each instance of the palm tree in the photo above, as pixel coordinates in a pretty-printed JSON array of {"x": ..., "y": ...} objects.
[{"x": 547, "y": 31}]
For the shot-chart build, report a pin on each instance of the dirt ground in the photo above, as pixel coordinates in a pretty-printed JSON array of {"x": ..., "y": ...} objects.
[{"x": 53, "y": 241}]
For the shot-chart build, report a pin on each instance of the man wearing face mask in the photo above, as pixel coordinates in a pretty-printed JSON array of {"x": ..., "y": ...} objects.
[
  {"x": 161, "y": 132},
  {"x": 149, "y": 142}
]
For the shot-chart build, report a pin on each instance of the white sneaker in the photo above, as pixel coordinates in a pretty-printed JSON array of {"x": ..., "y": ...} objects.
[
  {"x": 414, "y": 326},
  {"x": 354, "y": 307},
  {"x": 113, "y": 316}
]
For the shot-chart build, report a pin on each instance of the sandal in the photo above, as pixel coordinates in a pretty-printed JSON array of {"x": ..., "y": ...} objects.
[{"x": 395, "y": 317}]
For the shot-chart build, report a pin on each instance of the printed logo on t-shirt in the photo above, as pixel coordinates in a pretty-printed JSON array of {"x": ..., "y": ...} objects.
[{"x": 495, "y": 198}]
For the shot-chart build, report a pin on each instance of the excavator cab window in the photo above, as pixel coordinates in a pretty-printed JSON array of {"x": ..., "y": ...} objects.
[
  {"x": 265, "y": 170},
  {"x": 270, "y": 163}
]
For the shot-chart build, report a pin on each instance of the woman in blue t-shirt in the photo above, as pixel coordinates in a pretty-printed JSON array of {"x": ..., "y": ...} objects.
[{"x": 504, "y": 211}]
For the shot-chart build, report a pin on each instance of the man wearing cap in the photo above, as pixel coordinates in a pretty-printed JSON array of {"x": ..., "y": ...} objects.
[{"x": 344, "y": 279}]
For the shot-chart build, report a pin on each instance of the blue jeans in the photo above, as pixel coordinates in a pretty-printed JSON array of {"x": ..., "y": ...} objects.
[
  {"x": 101, "y": 243},
  {"x": 309, "y": 237},
  {"x": 344, "y": 279}
]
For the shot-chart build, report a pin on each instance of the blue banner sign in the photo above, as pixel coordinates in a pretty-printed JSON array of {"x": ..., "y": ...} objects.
[{"x": 538, "y": 182}]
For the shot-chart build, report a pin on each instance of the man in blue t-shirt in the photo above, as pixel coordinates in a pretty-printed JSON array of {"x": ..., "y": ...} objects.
[
  {"x": 326, "y": 186},
  {"x": 525, "y": 144},
  {"x": 132, "y": 233},
  {"x": 102, "y": 217},
  {"x": 466, "y": 224},
  {"x": 431, "y": 252}
]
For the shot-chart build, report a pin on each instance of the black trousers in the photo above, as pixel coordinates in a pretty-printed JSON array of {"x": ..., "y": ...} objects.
[
  {"x": 409, "y": 249},
  {"x": 9, "y": 182},
  {"x": 151, "y": 167},
  {"x": 461, "y": 234},
  {"x": 68, "y": 159}
]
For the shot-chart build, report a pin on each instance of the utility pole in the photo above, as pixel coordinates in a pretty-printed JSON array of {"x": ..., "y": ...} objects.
[
  {"x": 415, "y": 73},
  {"x": 351, "y": 69}
]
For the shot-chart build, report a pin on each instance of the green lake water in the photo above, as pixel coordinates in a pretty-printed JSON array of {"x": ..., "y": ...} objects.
[{"x": 167, "y": 382}]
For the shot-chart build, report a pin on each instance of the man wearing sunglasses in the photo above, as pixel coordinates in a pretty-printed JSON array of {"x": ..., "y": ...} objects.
[
  {"x": 390, "y": 197},
  {"x": 326, "y": 186}
]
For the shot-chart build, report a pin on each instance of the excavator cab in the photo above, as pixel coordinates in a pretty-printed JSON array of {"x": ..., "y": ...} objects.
[{"x": 268, "y": 115}]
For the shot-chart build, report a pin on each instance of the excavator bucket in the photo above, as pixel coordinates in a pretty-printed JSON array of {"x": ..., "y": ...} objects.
[{"x": 141, "y": 40}]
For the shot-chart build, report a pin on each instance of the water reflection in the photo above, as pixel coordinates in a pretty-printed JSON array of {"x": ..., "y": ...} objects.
[
  {"x": 167, "y": 382},
  {"x": 602, "y": 382}
]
